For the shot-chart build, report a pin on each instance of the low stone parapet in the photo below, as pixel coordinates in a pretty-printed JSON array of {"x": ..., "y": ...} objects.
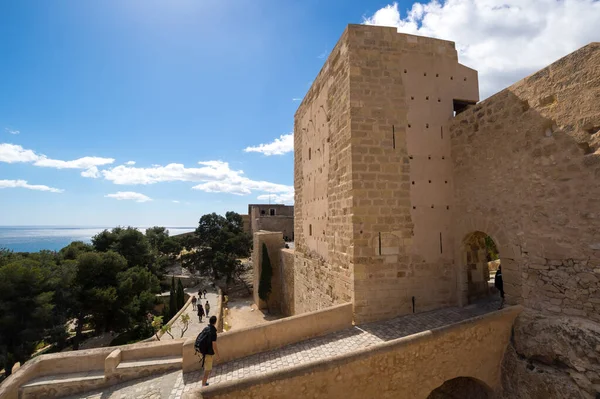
[
  {"x": 408, "y": 367},
  {"x": 69, "y": 373},
  {"x": 275, "y": 334}
]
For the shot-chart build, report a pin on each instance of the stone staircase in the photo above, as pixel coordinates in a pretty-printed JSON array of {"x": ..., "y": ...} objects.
[
  {"x": 49, "y": 386},
  {"x": 70, "y": 373}
]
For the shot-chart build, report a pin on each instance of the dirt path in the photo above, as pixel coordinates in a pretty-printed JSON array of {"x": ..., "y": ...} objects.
[{"x": 244, "y": 313}]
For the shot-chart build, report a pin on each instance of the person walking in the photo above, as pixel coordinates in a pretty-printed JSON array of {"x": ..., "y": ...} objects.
[
  {"x": 207, "y": 307},
  {"x": 207, "y": 346},
  {"x": 499, "y": 284},
  {"x": 205, "y": 293},
  {"x": 194, "y": 300},
  {"x": 200, "y": 312}
]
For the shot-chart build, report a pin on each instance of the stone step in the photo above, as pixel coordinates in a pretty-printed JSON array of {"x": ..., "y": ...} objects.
[
  {"x": 132, "y": 369},
  {"x": 70, "y": 383},
  {"x": 175, "y": 361}
]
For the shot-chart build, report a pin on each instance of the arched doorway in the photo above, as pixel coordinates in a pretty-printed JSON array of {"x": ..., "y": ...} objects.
[
  {"x": 481, "y": 259},
  {"x": 461, "y": 388}
]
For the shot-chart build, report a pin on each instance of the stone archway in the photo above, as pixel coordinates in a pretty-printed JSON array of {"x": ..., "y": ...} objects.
[
  {"x": 461, "y": 388},
  {"x": 478, "y": 250}
]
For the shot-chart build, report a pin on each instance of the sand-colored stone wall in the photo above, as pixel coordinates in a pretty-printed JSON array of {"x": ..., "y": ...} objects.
[
  {"x": 274, "y": 243},
  {"x": 402, "y": 91},
  {"x": 86, "y": 360},
  {"x": 260, "y": 218},
  {"x": 372, "y": 179},
  {"x": 409, "y": 367},
  {"x": 275, "y": 334},
  {"x": 287, "y": 279},
  {"x": 322, "y": 168},
  {"x": 526, "y": 167}
]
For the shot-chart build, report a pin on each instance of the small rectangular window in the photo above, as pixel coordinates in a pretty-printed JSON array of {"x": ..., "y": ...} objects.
[{"x": 272, "y": 212}]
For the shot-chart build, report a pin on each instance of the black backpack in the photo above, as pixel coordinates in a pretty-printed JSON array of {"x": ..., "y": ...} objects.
[{"x": 203, "y": 341}]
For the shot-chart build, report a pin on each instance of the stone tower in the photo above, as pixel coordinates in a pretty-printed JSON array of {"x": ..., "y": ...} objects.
[{"x": 373, "y": 175}]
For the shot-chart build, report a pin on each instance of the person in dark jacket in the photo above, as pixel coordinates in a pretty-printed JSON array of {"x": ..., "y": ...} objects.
[
  {"x": 499, "y": 284},
  {"x": 212, "y": 351},
  {"x": 200, "y": 311}
]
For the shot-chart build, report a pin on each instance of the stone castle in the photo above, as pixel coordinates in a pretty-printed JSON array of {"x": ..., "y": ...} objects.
[{"x": 400, "y": 176}]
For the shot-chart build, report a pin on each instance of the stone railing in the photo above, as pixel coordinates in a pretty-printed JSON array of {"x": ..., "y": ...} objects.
[
  {"x": 407, "y": 367},
  {"x": 69, "y": 373},
  {"x": 275, "y": 334},
  {"x": 219, "y": 310},
  {"x": 72, "y": 372}
]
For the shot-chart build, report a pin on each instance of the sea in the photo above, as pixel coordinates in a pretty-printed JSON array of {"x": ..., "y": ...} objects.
[{"x": 37, "y": 238}]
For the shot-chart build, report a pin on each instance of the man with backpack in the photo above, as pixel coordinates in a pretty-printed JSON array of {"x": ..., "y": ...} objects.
[{"x": 206, "y": 344}]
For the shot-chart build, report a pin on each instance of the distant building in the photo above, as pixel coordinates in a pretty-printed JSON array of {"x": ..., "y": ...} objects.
[{"x": 272, "y": 217}]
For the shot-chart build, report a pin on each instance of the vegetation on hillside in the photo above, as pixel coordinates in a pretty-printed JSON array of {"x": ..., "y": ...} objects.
[
  {"x": 217, "y": 245},
  {"x": 110, "y": 285}
]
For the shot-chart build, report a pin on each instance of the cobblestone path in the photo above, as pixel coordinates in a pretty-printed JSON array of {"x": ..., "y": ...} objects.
[
  {"x": 352, "y": 339},
  {"x": 195, "y": 326}
]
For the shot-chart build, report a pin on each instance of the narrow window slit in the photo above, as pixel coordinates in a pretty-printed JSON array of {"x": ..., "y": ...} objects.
[
  {"x": 379, "y": 243},
  {"x": 441, "y": 248},
  {"x": 393, "y": 137}
]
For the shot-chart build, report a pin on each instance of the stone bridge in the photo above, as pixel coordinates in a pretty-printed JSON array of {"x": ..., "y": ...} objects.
[
  {"x": 439, "y": 354},
  {"x": 409, "y": 356}
]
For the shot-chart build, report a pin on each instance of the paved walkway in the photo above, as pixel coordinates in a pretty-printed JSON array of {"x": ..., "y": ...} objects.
[
  {"x": 195, "y": 326},
  {"x": 352, "y": 339}
]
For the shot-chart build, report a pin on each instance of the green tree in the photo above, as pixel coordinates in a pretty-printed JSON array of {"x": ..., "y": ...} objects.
[
  {"x": 25, "y": 309},
  {"x": 104, "y": 240},
  {"x": 217, "y": 245},
  {"x": 129, "y": 242},
  {"x": 492, "y": 250},
  {"x": 74, "y": 249},
  {"x": 180, "y": 295},
  {"x": 172, "y": 299},
  {"x": 266, "y": 273},
  {"x": 96, "y": 286},
  {"x": 62, "y": 281},
  {"x": 137, "y": 288}
]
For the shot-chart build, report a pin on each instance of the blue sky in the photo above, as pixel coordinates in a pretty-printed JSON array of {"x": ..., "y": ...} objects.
[{"x": 87, "y": 86}]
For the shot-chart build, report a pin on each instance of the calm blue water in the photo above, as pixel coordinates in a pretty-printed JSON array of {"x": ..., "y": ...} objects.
[{"x": 35, "y": 238}]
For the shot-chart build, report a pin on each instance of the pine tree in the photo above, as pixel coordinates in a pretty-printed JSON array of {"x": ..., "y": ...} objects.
[
  {"x": 264, "y": 285},
  {"x": 180, "y": 295},
  {"x": 173, "y": 300}
]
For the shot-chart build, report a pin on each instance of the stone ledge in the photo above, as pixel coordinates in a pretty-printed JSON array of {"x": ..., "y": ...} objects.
[
  {"x": 65, "y": 378},
  {"x": 232, "y": 386},
  {"x": 153, "y": 361}
]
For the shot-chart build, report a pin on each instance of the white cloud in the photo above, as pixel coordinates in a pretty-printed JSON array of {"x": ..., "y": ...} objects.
[
  {"x": 11, "y": 131},
  {"x": 176, "y": 202},
  {"x": 323, "y": 54},
  {"x": 91, "y": 172},
  {"x": 287, "y": 198},
  {"x": 280, "y": 146},
  {"x": 12, "y": 153},
  {"x": 129, "y": 195},
  {"x": 296, "y": 99},
  {"x": 24, "y": 184},
  {"x": 505, "y": 40},
  {"x": 130, "y": 163},
  {"x": 212, "y": 176}
]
